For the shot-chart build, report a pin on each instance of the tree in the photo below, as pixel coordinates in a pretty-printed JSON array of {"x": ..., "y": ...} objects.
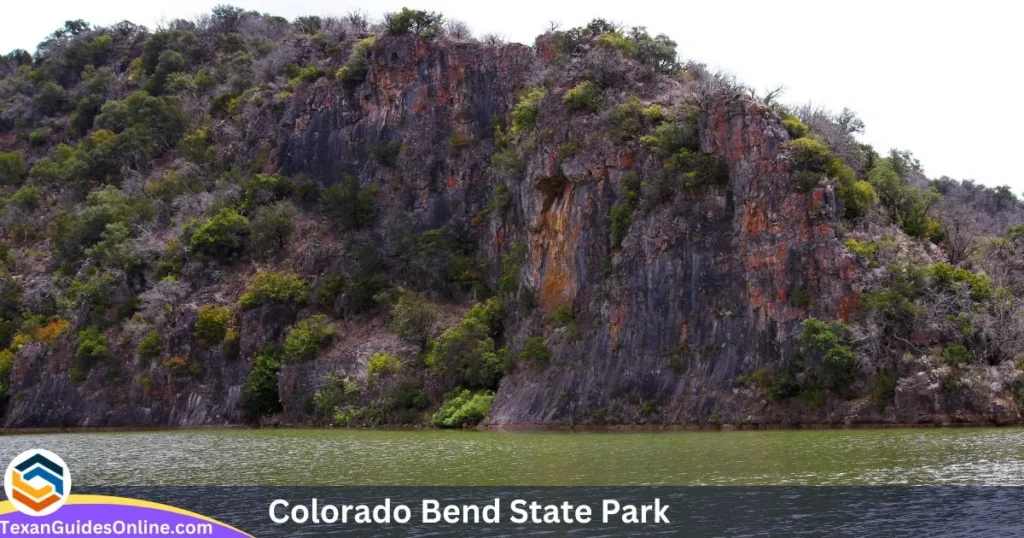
[
  {"x": 222, "y": 236},
  {"x": 272, "y": 226},
  {"x": 51, "y": 98},
  {"x": 306, "y": 338},
  {"x": 12, "y": 167},
  {"x": 959, "y": 226},
  {"x": 412, "y": 317},
  {"x": 259, "y": 394},
  {"x": 346, "y": 205},
  {"x": 417, "y": 22},
  {"x": 169, "y": 61}
]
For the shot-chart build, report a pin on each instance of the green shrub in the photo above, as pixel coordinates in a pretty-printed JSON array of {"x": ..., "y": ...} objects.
[
  {"x": 306, "y": 338},
  {"x": 85, "y": 113},
  {"x": 945, "y": 277},
  {"x": 465, "y": 353},
  {"x": 383, "y": 364},
  {"x": 957, "y": 355},
  {"x": 159, "y": 119},
  {"x": 527, "y": 111},
  {"x": 809, "y": 154},
  {"x": 212, "y": 323},
  {"x": 1015, "y": 232},
  {"x": 800, "y": 298},
  {"x": 862, "y": 249},
  {"x": 806, "y": 180},
  {"x": 329, "y": 288},
  {"x": 795, "y": 127},
  {"x": 26, "y": 199},
  {"x": 259, "y": 394},
  {"x": 221, "y": 236},
  {"x": 414, "y": 21},
  {"x": 615, "y": 40},
  {"x": 906, "y": 204},
  {"x": 621, "y": 214},
  {"x": 584, "y": 97},
  {"x": 347, "y": 206},
  {"x": 264, "y": 189},
  {"x": 464, "y": 409},
  {"x": 671, "y": 136},
  {"x": 355, "y": 69},
  {"x": 12, "y": 167},
  {"x": 169, "y": 61},
  {"x": 272, "y": 226},
  {"x": 697, "y": 169},
  {"x": 825, "y": 341},
  {"x": 627, "y": 119},
  {"x": 198, "y": 147},
  {"x": 535, "y": 351},
  {"x": 51, "y": 98},
  {"x": 38, "y": 137},
  {"x": 883, "y": 391},
  {"x": 568, "y": 151},
  {"x": 92, "y": 348},
  {"x": 6, "y": 364},
  {"x": 335, "y": 391},
  {"x": 412, "y": 317},
  {"x": 857, "y": 198},
  {"x": 151, "y": 345},
  {"x": 274, "y": 287}
]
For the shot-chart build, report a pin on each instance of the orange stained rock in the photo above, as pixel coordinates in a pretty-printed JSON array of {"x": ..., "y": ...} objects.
[
  {"x": 617, "y": 315},
  {"x": 755, "y": 220},
  {"x": 817, "y": 198},
  {"x": 848, "y": 306}
]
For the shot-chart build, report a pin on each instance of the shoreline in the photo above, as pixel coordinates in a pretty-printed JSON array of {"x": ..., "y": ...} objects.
[{"x": 557, "y": 428}]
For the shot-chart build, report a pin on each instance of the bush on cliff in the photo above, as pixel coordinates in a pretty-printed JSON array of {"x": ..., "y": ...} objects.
[
  {"x": 259, "y": 393},
  {"x": 412, "y": 317},
  {"x": 212, "y": 323},
  {"x": 584, "y": 97},
  {"x": 414, "y": 21},
  {"x": 151, "y": 345},
  {"x": 307, "y": 338},
  {"x": 12, "y": 167},
  {"x": 92, "y": 348},
  {"x": 465, "y": 354},
  {"x": 383, "y": 364},
  {"x": 464, "y": 409},
  {"x": 274, "y": 287},
  {"x": 527, "y": 111},
  {"x": 347, "y": 206},
  {"x": 809, "y": 154},
  {"x": 220, "y": 237},
  {"x": 6, "y": 364},
  {"x": 354, "y": 70}
]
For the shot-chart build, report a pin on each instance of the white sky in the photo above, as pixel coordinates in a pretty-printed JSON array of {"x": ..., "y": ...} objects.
[{"x": 939, "y": 78}]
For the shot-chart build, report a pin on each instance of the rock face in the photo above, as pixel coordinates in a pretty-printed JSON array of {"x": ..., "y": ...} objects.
[
  {"x": 699, "y": 294},
  {"x": 709, "y": 284}
]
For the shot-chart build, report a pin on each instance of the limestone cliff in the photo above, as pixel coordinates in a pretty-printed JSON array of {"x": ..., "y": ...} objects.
[{"x": 669, "y": 319}]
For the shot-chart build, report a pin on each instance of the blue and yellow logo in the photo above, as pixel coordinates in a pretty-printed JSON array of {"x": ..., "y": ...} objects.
[{"x": 37, "y": 482}]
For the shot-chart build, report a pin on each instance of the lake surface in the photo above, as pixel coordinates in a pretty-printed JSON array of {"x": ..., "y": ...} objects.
[{"x": 969, "y": 456}]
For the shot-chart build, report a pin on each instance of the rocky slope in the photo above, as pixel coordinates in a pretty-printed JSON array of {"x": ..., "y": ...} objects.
[{"x": 652, "y": 245}]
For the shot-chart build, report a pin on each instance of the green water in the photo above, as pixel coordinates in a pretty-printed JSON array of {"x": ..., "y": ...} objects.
[{"x": 970, "y": 456}]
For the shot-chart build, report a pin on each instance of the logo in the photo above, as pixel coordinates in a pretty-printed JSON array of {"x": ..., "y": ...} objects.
[{"x": 37, "y": 482}]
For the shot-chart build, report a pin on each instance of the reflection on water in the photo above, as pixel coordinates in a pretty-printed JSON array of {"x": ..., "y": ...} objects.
[{"x": 968, "y": 456}]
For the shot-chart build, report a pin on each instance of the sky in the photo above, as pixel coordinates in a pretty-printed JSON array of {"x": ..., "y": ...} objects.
[{"x": 938, "y": 78}]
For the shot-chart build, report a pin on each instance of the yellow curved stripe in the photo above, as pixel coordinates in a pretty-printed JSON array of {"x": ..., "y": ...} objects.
[
  {"x": 6, "y": 507},
  {"x": 25, "y": 487}
]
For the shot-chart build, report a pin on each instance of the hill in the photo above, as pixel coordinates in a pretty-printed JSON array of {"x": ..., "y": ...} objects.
[{"x": 334, "y": 221}]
